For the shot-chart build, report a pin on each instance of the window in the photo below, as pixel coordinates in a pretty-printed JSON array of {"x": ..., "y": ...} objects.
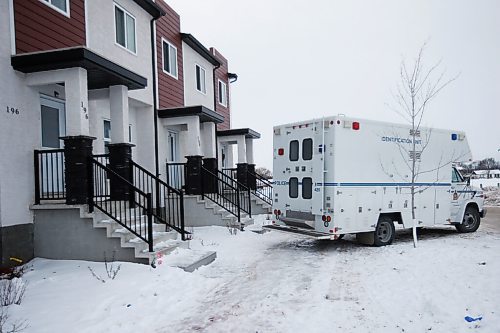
[
  {"x": 456, "y": 177},
  {"x": 130, "y": 133},
  {"x": 125, "y": 29},
  {"x": 222, "y": 93},
  {"x": 294, "y": 150},
  {"x": 200, "y": 79},
  {"x": 50, "y": 127},
  {"x": 169, "y": 59},
  {"x": 106, "y": 134},
  {"x": 293, "y": 187},
  {"x": 307, "y": 188},
  {"x": 61, "y": 6},
  {"x": 307, "y": 149}
]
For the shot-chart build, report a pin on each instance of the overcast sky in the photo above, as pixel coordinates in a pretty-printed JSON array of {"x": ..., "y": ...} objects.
[{"x": 298, "y": 60}]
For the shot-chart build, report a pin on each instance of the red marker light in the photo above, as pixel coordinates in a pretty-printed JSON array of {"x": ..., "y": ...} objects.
[
  {"x": 355, "y": 126},
  {"x": 281, "y": 151},
  {"x": 328, "y": 218}
]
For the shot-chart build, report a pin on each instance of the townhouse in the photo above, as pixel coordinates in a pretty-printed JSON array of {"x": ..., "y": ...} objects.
[{"x": 108, "y": 110}]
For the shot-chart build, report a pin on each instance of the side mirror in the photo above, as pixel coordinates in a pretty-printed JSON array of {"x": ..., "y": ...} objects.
[{"x": 467, "y": 179}]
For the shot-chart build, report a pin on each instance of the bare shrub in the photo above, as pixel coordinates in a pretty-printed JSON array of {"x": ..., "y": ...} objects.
[
  {"x": 12, "y": 291},
  {"x": 14, "y": 327},
  {"x": 109, "y": 267}
]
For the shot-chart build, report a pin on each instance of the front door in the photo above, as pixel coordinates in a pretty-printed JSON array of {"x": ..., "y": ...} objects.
[
  {"x": 175, "y": 172},
  {"x": 53, "y": 126},
  {"x": 53, "y": 120}
]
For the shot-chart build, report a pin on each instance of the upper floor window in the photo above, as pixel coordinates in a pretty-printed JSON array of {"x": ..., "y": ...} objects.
[
  {"x": 169, "y": 59},
  {"x": 222, "y": 93},
  {"x": 125, "y": 29},
  {"x": 201, "y": 79},
  {"x": 61, "y": 6}
]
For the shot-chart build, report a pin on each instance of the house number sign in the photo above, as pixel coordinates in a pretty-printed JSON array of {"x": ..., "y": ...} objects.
[
  {"x": 84, "y": 110},
  {"x": 12, "y": 110}
]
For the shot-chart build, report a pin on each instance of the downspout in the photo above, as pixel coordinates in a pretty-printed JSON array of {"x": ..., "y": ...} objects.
[
  {"x": 155, "y": 97},
  {"x": 216, "y": 90}
]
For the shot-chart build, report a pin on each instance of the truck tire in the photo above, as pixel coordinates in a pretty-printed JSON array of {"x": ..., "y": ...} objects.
[
  {"x": 471, "y": 220},
  {"x": 385, "y": 232}
]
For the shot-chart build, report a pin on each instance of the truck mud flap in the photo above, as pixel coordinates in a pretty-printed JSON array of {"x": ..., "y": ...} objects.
[{"x": 299, "y": 231}]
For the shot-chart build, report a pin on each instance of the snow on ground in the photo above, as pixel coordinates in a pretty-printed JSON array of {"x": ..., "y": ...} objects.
[
  {"x": 482, "y": 183},
  {"x": 492, "y": 196},
  {"x": 275, "y": 282}
]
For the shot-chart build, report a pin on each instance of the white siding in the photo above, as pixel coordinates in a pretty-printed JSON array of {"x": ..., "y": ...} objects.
[{"x": 191, "y": 95}]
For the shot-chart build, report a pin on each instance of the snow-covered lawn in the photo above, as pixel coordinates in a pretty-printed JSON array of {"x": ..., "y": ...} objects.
[{"x": 276, "y": 282}]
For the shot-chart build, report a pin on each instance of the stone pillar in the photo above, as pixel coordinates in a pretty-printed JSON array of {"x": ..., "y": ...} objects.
[
  {"x": 209, "y": 185},
  {"x": 242, "y": 173},
  {"x": 193, "y": 175},
  {"x": 119, "y": 112},
  {"x": 77, "y": 171},
  {"x": 120, "y": 155},
  {"x": 77, "y": 109},
  {"x": 249, "y": 147},
  {"x": 242, "y": 149},
  {"x": 252, "y": 181},
  {"x": 208, "y": 138}
]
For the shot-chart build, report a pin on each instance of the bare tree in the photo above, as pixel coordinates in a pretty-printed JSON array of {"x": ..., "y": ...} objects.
[
  {"x": 264, "y": 172},
  {"x": 418, "y": 86}
]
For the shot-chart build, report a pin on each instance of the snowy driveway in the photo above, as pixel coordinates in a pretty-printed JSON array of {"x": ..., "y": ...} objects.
[
  {"x": 285, "y": 284},
  {"x": 280, "y": 283}
]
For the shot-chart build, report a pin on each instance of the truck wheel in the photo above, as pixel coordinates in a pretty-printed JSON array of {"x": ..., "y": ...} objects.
[
  {"x": 471, "y": 220},
  {"x": 385, "y": 232}
]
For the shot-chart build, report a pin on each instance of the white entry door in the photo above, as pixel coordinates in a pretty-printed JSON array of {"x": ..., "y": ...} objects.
[
  {"x": 53, "y": 126},
  {"x": 53, "y": 119},
  {"x": 175, "y": 172}
]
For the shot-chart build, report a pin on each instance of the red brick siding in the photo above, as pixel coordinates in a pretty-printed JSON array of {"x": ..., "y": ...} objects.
[
  {"x": 221, "y": 74},
  {"x": 42, "y": 28},
  {"x": 170, "y": 90}
]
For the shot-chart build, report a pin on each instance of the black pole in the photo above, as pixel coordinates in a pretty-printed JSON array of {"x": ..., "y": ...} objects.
[{"x": 155, "y": 110}]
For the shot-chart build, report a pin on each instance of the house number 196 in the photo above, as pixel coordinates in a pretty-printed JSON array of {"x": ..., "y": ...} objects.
[{"x": 12, "y": 110}]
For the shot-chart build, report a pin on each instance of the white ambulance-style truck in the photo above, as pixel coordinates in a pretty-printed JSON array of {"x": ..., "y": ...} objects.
[{"x": 339, "y": 175}]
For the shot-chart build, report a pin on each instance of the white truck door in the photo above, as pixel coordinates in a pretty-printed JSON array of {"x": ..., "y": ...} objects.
[{"x": 459, "y": 194}]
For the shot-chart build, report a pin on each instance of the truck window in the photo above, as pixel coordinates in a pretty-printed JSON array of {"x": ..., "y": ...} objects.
[
  {"x": 456, "y": 177},
  {"x": 294, "y": 150},
  {"x": 293, "y": 187},
  {"x": 307, "y": 188},
  {"x": 307, "y": 149}
]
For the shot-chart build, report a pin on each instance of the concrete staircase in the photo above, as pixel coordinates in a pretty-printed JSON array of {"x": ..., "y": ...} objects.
[
  {"x": 200, "y": 212},
  {"x": 259, "y": 206},
  {"x": 164, "y": 242}
]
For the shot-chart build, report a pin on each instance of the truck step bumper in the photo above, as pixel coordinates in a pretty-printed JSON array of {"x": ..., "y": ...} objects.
[{"x": 300, "y": 231}]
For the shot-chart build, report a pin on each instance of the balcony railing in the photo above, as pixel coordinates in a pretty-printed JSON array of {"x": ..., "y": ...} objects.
[{"x": 49, "y": 175}]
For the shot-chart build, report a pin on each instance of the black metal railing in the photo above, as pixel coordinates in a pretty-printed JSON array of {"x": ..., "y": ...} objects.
[
  {"x": 135, "y": 214},
  {"x": 49, "y": 175},
  {"x": 226, "y": 193},
  {"x": 175, "y": 175},
  {"x": 231, "y": 172},
  {"x": 263, "y": 188},
  {"x": 102, "y": 158},
  {"x": 168, "y": 201}
]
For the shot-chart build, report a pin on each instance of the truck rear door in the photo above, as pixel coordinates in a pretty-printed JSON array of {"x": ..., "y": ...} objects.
[{"x": 303, "y": 167}]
